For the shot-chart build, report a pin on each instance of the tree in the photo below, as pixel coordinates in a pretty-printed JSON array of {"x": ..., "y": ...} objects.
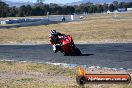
[
  {"x": 59, "y": 10},
  {"x": 94, "y": 8},
  {"x": 115, "y": 3},
  {"x": 4, "y": 9},
  {"x": 126, "y": 5},
  {"x": 22, "y": 11},
  {"x": 52, "y": 8},
  {"x": 69, "y": 10},
  {"x": 13, "y": 12},
  {"x": 86, "y": 10},
  {"x": 77, "y": 9},
  {"x": 28, "y": 10},
  {"x": 91, "y": 9},
  {"x": 99, "y": 8},
  {"x": 40, "y": 1},
  {"x": 105, "y": 7},
  {"x": 121, "y": 4},
  {"x": 38, "y": 11},
  {"x": 111, "y": 7},
  {"x": 130, "y": 4}
]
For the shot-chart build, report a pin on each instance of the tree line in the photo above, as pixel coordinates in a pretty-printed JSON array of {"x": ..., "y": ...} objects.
[{"x": 41, "y": 9}]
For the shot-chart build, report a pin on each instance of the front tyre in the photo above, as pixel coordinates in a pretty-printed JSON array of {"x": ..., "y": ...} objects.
[{"x": 65, "y": 54}]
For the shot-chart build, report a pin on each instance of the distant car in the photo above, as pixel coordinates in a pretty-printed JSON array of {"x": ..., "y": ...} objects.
[
  {"x": 81, "y": 17},
  {"x": 63, "y": 19}
]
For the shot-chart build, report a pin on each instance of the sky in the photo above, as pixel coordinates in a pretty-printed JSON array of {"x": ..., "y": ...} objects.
[{"x": 49, "y": 1}]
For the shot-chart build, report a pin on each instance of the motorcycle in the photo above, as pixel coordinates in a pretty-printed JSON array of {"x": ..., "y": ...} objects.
[{"x": 67, "y": 46}]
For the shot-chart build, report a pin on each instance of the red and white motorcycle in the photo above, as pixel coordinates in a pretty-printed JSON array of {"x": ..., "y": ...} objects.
[{"x": 67, "y": 46}]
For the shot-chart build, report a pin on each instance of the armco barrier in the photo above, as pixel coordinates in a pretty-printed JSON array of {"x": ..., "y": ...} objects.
[{"x": 13, "y": 21}]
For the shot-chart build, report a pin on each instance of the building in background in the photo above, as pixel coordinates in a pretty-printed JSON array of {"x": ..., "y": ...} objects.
[
  {"x": 129, "y": 9},
  {"x": 121, "y": 10}
]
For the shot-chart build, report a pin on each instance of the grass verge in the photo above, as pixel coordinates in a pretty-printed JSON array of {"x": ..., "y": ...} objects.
[
  {"x": 94, "y": 28},
  {"x": 35, "y": 75}
]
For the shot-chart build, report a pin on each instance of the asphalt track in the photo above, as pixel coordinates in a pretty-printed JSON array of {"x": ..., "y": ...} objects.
[{"x": 104, "y": 55}]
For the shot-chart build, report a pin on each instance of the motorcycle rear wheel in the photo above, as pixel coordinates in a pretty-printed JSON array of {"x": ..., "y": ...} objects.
[{"x": 78, "y": 52}]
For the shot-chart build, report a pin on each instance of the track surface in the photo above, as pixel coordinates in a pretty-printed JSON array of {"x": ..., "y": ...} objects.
[{"x": 104, "y": 55}]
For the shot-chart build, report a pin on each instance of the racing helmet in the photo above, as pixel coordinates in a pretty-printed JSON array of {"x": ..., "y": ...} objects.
[{"x": 54, "y": 33}]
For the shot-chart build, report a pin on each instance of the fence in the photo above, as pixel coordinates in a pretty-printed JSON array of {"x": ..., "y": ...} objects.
[{"x": 13, "y": 21}]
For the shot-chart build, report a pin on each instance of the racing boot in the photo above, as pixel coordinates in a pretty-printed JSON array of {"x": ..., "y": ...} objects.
[{"x": 54, "y": 49}]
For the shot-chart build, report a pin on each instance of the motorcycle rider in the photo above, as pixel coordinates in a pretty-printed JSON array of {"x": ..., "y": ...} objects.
[{"x": 54, "y": 38}]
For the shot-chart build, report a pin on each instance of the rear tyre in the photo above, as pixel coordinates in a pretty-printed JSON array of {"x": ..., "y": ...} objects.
[
  {"x": 78, "y": 52},
  {"x": 55, "y": 51}
]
